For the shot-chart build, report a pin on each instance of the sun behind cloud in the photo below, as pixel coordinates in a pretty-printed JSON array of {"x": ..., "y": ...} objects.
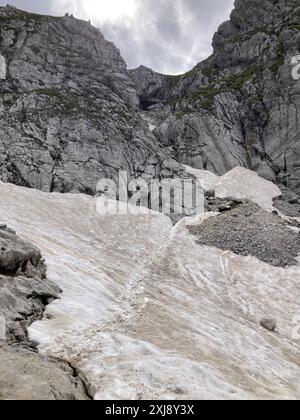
[
  {"x": 110, "y": 9},
  {"x": 100, "y": 10}
]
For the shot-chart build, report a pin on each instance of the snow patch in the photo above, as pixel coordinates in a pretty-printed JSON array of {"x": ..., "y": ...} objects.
[
  {"x": 152, "y": 127},
  {"x": 239, "y": 183},
  {"x": 147, "y": 313},
  {"x": 91, "y": 257},
  {"x": 242, "y": 183},
  {"x": 208, "y": 179}
]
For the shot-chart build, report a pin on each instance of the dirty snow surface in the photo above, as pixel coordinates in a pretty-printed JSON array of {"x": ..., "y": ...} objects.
[
  {"x": 239, "y": 183},
  {"x": 146, "y": 313}
]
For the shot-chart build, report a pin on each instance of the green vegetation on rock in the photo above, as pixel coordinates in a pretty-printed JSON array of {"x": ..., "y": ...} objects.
[
  {"x": 275, "y": 66},
  {"x": 248, "y": 35},
  {"x": 48, "y": 92},
  {"x": 19, "y": 14},
  {"x": 207, "y": 72},
  {"x": 295, "y": 26},
  {"x": 179, "y": 115},
  {"x": 72, "y": 102},
  {"x": 173, "y": 80},
  {"x": 237, "y": 81}
]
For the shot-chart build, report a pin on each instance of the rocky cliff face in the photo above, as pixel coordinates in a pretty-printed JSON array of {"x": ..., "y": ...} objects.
[
  {"x": 130, "y": 290},
  {"x": 68, "y": 107},
  {"x": 241, "y": 106},
  {"x": 71, "y": 113},
  {"x": 24, "y": 294}
]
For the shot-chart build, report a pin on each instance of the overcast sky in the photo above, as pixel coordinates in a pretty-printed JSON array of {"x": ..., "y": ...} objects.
[{"x": 170, "y": 36}]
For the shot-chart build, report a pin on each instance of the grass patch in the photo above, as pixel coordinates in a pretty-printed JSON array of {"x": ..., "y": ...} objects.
[
  {"x": 173, "y": 102},
  {"x": 48, "y": 92},
  {"x": 179, "y": 115},
  {"x": 191, "y": 73},
  {"x": 246, "y": 36},
  {"x": 207, "y": 105},
  {"x": 22, "y": 15},
  {"x": 173, "y": 80},
  {"x": 275, "y": 66},
  {"x": 206, "y": 97},
  {"x": 207, "y": 92},
  {"x": 295, "y": 26},
  {"x": 207, "y": 72},
  {"x": 70, "y": 103},
  {"x": 237, "y": 81}
]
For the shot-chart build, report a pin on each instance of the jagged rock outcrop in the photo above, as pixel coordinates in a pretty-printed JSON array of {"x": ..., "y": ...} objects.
[
  {"x": 152, "y": 88},
  {"x": 240, "y": 107},
  {"x": 148, "y": 310},
  {"x": 24, "y": 293},
  {"x": 68, "y": 107},
  {"x": 71, "y": 112},
  {"x": 24, "y": 290}
]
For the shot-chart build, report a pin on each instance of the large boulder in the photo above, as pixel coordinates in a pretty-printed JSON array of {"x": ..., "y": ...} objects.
[
  {"x": 24, "y": 289},
  {"x": 24, "y": 375}
]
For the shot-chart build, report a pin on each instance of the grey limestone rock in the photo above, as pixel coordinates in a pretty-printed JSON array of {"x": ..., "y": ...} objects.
[
  {"x": 69, "y": 110},
  {"x": 268, "y": 324},
  {"x": 239, "y": 107},
  {"x": 24, "y": 288},
  {"x": 24, "y": 293},
  {"x": 72, "y": 114},
  {"x": 24, "y": 375}
]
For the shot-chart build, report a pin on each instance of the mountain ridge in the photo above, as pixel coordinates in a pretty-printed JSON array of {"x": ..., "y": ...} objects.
[
  {"x": 69, "y": 100},
  {"x": 239, "y": 107},
  {"x": 125, "y": 304}
]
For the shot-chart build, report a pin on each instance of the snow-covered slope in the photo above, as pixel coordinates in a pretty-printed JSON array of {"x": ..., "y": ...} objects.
[
  {"x": 239, "y": 183},
  {"x": 91, "y": 258},
  {"x": 147, "y": 313}
]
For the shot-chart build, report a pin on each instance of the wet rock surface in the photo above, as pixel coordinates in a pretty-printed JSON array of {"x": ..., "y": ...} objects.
[{"x": 249, "y": 230}]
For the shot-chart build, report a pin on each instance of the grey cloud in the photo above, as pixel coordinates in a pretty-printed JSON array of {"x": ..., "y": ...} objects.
[
  {"x": 170, "y": 36},
  {"x": 34, "y": 6}
]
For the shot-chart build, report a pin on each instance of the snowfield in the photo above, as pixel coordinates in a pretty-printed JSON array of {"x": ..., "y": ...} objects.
[{"x": 146, "y": 313}]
